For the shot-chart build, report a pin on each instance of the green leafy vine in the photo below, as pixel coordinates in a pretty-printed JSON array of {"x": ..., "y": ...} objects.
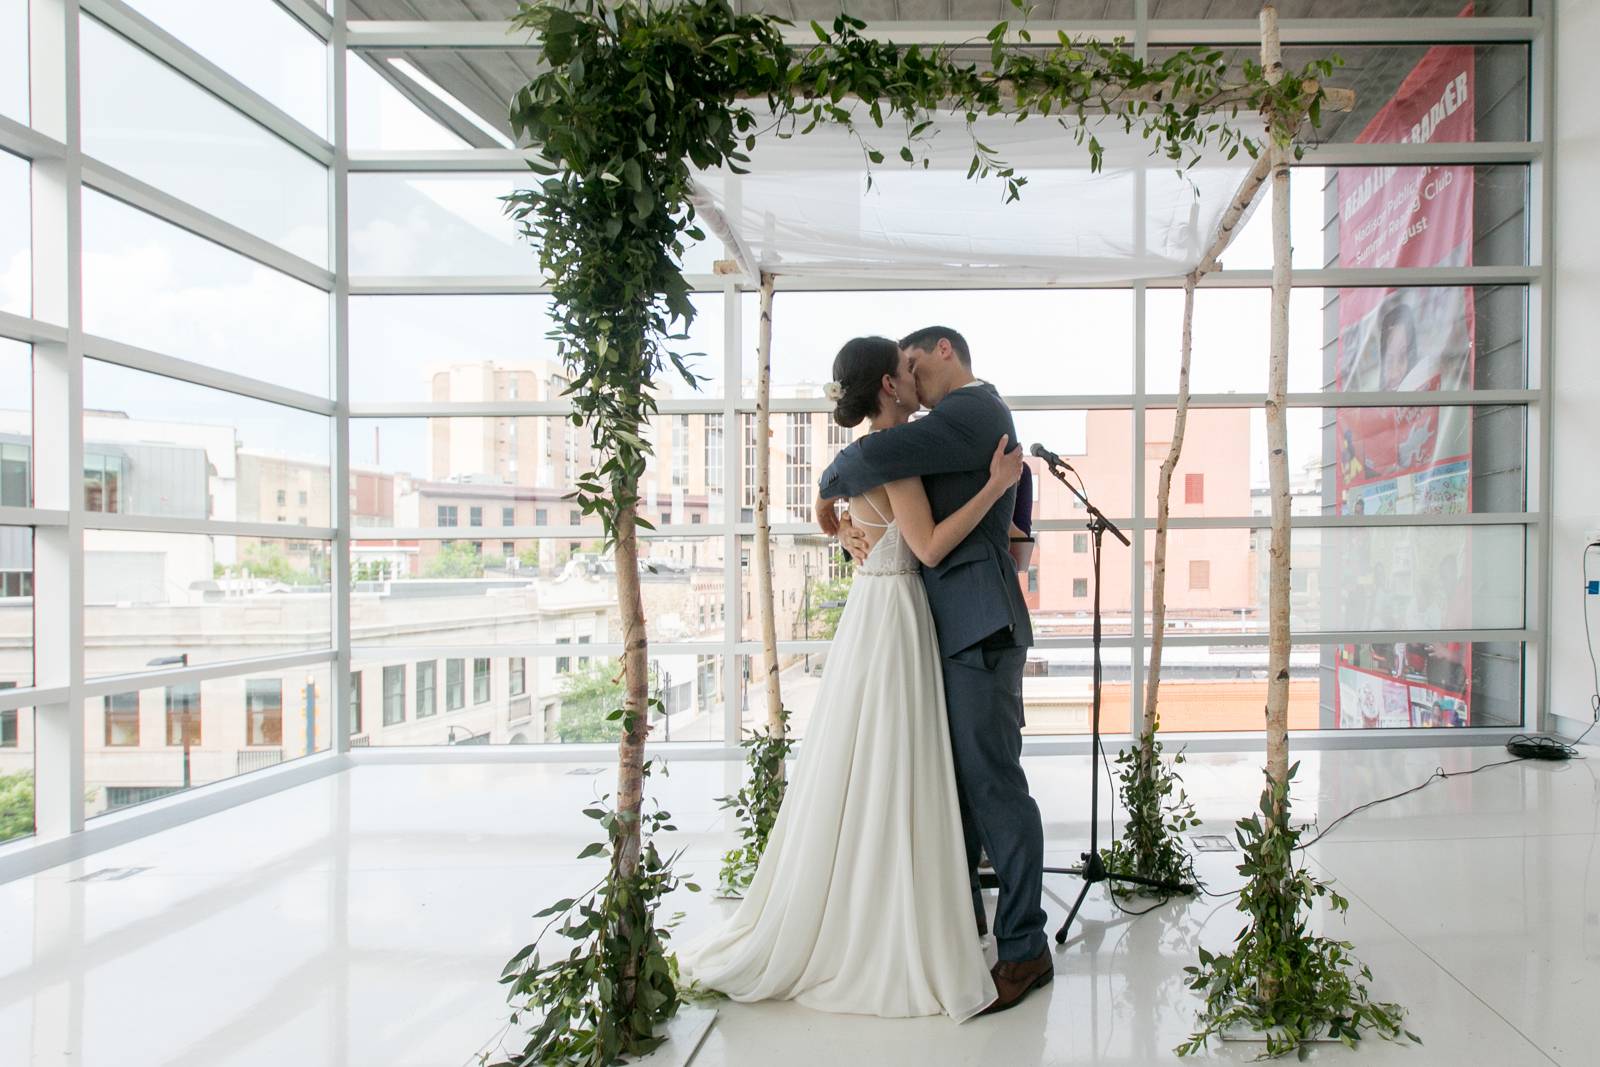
[
  {"x": 608, "y": 995},
  {"x": 756, "y": 805},
  {"x": 1159, "y": 813},
  {"x": 1282, "y": 982}
]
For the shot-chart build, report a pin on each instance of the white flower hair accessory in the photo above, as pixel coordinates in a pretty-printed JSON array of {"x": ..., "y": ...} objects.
[{"x": 833, "y": 391}]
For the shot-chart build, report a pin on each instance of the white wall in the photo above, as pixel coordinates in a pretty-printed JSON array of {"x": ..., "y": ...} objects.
[{"x": 1575, "y": 452}]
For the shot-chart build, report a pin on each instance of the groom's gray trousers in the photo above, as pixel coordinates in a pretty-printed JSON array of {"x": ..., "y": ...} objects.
[
  {"x": 984, "y": 630},
  {"x": 983, "y": 694}
]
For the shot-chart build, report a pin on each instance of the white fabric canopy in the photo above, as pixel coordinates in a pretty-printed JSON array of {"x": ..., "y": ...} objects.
[{"x": 804, "y": 209}]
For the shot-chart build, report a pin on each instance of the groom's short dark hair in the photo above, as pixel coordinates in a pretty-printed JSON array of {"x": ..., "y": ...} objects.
[{"x": 926, "y": 338}]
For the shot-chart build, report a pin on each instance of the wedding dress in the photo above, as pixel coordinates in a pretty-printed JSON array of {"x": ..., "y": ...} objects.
[{"x": 861, "y": 902}]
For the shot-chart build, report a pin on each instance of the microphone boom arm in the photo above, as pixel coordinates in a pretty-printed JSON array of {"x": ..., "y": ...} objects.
[{"x": 1052, "y": 461}]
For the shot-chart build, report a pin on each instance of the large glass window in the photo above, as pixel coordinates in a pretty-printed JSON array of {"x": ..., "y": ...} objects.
[
  {"x": 162, "y": 599},
  {"x": 151, "y": 284},
  {"x": 1386, "y": 578},
  {"x": 16, "y": 424},
  {"x": 14, "y": 60},
  {"x": 8, "y": 722},
  {"x": 1347, "y": 461},
  {"x": 16, "y": 607},
  {"x": 545, "y": 704},
  {"x": 481, "y": 348},
  {"x": 146, "y": 119},
  {"x": 17, "y": 805},
  {"x": 1422, "y": 683},
  {"x": 260, "y": 44},
  {"x": 204, "y": 732},
  {"x": 16, "y": 227},
  {"x": 1380, "y": 217},
  {"x": 436, "y": 224},
  {"x": 380, "y": 116},
  {"x": 161, "y": 447},
  {"x": 1343, "y": 340},
  {"x": 446, "y": 593},
  {"x": 1061, "y": 342},
  {"x": 1413, "y": 625}
]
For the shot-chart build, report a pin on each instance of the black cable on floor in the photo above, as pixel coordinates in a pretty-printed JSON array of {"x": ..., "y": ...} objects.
[{"x": 1524, "y": 748}]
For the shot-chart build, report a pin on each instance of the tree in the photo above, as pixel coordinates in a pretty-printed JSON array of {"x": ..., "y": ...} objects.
[
  {"x": 588, "y": 697},
  {"x": 456, "y": 559},
  {"x": 266, "y": 560},
  {"x": 16, "y": 805},
  {"x": 528, "y": 558},
  {"x": 827, "y": 605}
]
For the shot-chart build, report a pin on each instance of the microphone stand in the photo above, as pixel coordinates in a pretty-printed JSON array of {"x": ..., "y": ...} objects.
[{"x": 1093, "y": 870}]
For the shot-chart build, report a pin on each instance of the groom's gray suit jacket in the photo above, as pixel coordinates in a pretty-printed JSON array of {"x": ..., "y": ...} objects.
[{"x": 973, "y": 592}]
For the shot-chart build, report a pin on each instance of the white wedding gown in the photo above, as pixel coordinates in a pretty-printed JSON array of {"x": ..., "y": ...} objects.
[{"x": 861, "y": 902}]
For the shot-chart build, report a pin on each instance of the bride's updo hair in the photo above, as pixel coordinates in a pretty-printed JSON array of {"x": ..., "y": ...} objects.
[{"x": 859, "y": 369}]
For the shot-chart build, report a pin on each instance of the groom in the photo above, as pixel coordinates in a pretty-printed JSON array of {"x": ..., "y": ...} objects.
[{"x": 984, "y": 633}]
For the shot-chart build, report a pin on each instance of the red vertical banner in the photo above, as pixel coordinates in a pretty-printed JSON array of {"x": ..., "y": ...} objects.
[{"x": 1406, "y": 460}]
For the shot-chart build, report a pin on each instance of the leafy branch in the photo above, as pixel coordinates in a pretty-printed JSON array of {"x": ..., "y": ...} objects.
[
  {"x": 756, "y": 805},
  {"x": 1282, "y": 981},
  {"x": 618, "y": 944},
  {"x": 1159, "y": 813}
]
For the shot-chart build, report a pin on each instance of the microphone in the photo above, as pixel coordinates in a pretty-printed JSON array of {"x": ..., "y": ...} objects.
[{"x": 1048, "y": 456}]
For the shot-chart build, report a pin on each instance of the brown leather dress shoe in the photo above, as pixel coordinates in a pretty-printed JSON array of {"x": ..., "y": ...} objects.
[{"x": 1015, "y": 979}]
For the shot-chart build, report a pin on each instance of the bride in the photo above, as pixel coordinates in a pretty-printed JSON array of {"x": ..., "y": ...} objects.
[{"x": 861, "y": 902}]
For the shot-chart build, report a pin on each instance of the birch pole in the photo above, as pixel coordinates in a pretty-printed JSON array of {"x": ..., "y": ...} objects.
[
  {"x": 769, "y": 626},
  {"x": 1158, "y": 574},
  {"x": 1277, "y": 711},
  {"x": 1249, "y": 189},
  {"x": 636, "y": 683}
]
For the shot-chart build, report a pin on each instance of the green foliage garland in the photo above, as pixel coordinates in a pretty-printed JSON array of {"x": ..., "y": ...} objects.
[
  {"x": 633, "y": 98},
  {"x": 618, "y": 943},
  {"x": 756, "y": 805},
  {"x": 1282, "y": 981},
  {"x": 1159, "y": 813}
]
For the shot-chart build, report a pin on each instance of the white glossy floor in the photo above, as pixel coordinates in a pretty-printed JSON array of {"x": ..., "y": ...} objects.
[{"x": 363, "y": 919}]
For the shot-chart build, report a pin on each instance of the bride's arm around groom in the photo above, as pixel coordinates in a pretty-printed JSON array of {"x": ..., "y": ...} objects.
[{"x": 957, "y": 435}]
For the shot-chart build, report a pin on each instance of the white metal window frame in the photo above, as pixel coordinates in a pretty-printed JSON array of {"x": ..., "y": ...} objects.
[{"x": 52, "y": 143}]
